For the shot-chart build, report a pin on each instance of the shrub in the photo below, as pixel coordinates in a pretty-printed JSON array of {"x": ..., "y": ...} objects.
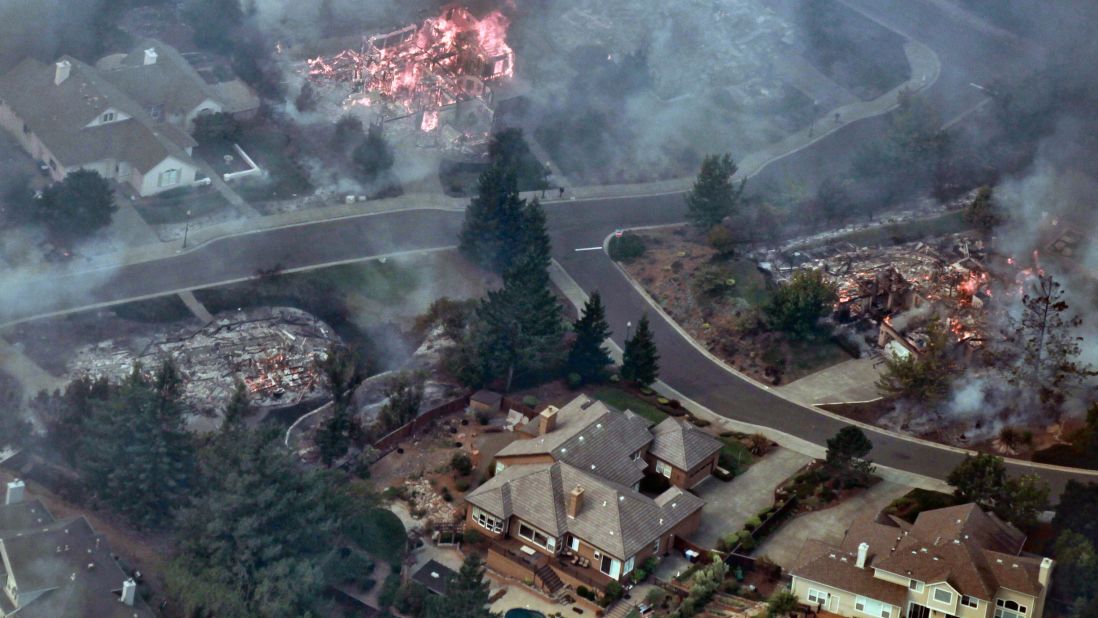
[
  {"x": 483, "y": 418},
  {"x": 575, "y": 380},
  {"x": 462, "y": 485},
  {"x": 585, "y": 592},
  {"x": 654, "y": 596},
  {"x": 615, "y": 379},
  {"x": 647, "y": 392},
  {"x": 612, "y": 593},
  {"x": 530, "y": 401},
  {"x": 446, "y": 495},
  {"x": 638, "y": 575},
  {"x": 721, "y": 239},
  {"x": 663, "y": 401},
  {"x": 461, "y": 463},
  {"x": 626, "y": 247},
  {"x": 747, "y": 544},
  {"x": 650, "y": 564},
  {"x": 473, "y": 537},
  {"x": 675, "y": 403},
  {"x": 700, "y": 422},
  {"x": 752, "y": 523}
]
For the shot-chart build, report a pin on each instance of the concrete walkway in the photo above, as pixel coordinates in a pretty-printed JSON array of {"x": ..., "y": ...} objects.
[
  {"x": 30, "y": 375},
  {"x": 850, "y": 381},
  {"x": 196, "y": 307},
  {"x": 729, "y": 505},
  {"x": 828, "y": 525}
]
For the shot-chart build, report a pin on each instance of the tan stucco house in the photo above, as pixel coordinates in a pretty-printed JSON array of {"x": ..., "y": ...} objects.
[
  {"x": 127, "y": 119},
  {"x": 956, "y": 561},
  {"x": 564, "y": 506}
]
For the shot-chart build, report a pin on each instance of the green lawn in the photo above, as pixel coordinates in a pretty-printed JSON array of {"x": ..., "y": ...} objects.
[
  {"x": 750, "y": 283},
  {"x": 909, "y": 505},
  {"x": 733, "y": 451},
  {"x": 624, "y": 400}
]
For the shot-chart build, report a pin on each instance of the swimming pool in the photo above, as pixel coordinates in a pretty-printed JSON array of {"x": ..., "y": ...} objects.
[{"x": 521, "y": 612}]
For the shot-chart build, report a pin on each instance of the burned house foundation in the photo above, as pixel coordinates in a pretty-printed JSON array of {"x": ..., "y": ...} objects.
[{"x": 275, "y": 352}]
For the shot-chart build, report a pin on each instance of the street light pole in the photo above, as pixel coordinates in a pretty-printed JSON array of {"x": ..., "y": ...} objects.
[
  {"x": 186, "y": 229},
  {"x": 628, "y": 325}
]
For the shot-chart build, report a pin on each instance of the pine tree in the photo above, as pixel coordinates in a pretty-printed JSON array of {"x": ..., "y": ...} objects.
[
  {"x": 253, "y": 542},
  {"x": 492, "y": 234},
  {"x": 518, "y": 330},
  {"x": 238, "y": 406},
  {"x": 535, "y": 241},
  {"x": 588, "y": 356},
  {"x": 714, "y": 195},
  {"x": 133, "y": 453},
  {"x": 640, "y": 361},
  {"x": 466, "y": 594}
]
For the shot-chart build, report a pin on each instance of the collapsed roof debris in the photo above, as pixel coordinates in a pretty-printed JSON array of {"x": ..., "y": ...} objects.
[
  {"x": 274, "y": 351},
  {"x": 439, "y": 74}
]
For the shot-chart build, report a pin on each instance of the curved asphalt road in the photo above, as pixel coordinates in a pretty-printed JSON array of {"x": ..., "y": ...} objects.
[{"x": 578, "y": 224}]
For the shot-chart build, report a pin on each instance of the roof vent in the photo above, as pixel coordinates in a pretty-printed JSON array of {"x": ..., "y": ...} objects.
[
  {"x": 581, "y": 438},
  {"x": 598, "y": 425},
  {"x": 1014, "y": 566},
  {"x": 998, "y": 561},
  {"x": 922, "y": 549},
  {"x": 61, "y": 72},
  {"x": 150, "y": 56},
  {"x": 434, "y": 574}
]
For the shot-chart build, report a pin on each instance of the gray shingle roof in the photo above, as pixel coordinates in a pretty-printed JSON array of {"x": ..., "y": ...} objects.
[
  {"x": 59, "y": 114},
  {"x": 593, "y": 437},
  {"x": 614, "y": 518},
  {"x": 26, "y": 514},
  {"x": 170, "y": 82},
  {"x": 72, "y": 564},
  {"x": 682, "y": 445}
]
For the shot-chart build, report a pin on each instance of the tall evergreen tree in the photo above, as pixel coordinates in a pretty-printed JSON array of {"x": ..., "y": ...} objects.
[
  {"x": 492, "y": 233},
  {"x": 640, "y": 361},
  {"x": 714, "y": 195},
  {"x": 519, "y": 330},
  {"x": 133, "y": 452},
  {"x": 588, "y": 356},
  {"x": 253, "y": 543},
  {"x": 466, "y": 594},
  {"x": 535, "y": 241}
]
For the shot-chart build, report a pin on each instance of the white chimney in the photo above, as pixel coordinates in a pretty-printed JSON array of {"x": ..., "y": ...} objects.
[
  {"x": 15, "y": 492},
  {"x": 1044, "y": 574},
  {"x": 863, "y": 551},
  {"x": 62, "y": 73},
  {"x": 129, "y": 591},
  {"x": 150, "y": 56}
]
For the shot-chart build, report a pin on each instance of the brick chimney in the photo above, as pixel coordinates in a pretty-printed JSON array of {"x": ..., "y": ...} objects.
[
  {"x": 129, "y": 592},
  {"x": 15, "y": 492},
  {"x": 575, "y": 501},
  {"x": 863, "y": 552},
  {"x": 150, "y": 56},
  {"x": 62, "y": 72},
  {"x": 547, "y": 420}
]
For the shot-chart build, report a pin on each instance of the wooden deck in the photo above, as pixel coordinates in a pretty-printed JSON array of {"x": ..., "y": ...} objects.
[{"x": 513, "y": 550}]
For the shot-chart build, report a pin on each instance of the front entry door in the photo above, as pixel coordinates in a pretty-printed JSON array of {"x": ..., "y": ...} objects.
[{"x": 914, "y": 610}]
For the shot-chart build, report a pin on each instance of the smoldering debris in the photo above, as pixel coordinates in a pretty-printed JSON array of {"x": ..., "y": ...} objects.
[{"x": 274, "y": 351}]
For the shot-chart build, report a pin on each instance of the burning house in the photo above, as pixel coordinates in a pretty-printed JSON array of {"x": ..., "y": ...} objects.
[
  {"x": 438, "y": 75},
  {"x": 893, "y": 291}
]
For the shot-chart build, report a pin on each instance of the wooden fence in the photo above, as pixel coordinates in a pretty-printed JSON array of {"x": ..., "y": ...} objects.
[{"x": 390, "y": 440}]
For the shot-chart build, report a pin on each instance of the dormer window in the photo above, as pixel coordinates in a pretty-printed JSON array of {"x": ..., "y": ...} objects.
[
  {"x": 107, "y": 117},
  {"x": 941, "y": 595}
]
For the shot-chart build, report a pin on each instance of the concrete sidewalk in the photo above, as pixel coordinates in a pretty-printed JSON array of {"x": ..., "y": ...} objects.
[{"x": 850, "y": 381}]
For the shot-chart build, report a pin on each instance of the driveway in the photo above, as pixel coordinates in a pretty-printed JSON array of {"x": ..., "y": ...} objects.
[
  {"x": 828, "y": 525},
  {"x": 729, "y": 505}
]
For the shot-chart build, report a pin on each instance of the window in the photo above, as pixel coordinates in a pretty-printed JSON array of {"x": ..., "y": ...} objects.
[
  {"x": 108, "y": 117},
  {"x": 486, "y": 521},
  {"x": 637, "y": 456},
  {"x": 1009, "y": 609},
  {"x": 817, "y": 597},
  {"x": 537, "y": 538},
  {"x": 168, "y": 178},
  {"x": 873, "y": 607},
  {"x": 941, "y": 595},
  {"x": 628, "y": 568},
  {"x": 915, "y": 585},
  {"x": 610, "y": 567},
  {"x": 968, "y": 601},
  {"x": 656, "y": 548},
  {"x": 575, "y": 544},
  {"x": 500, "y": 466},
  {"x": 663, "y": 469}
]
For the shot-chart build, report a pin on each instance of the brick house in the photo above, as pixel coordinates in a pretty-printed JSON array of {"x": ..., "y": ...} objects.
[
  {"x": 952, "y": 562},
  {"x": 564, "y": 506}
]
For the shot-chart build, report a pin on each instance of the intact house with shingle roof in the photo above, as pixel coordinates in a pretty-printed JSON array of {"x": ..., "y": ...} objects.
[
  {"x": 956, "y": 561},
  {"x": 620, "y": 446},
  {"x": 55, "y": 568},
  {"x": 128, "y": 120},
  {"x": 570, "y": 490}
]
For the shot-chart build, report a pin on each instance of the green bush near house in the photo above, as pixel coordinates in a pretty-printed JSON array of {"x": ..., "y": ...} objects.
[
  {"x": 379, "y": 532},
  {"x": 626, "y": 247}
]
